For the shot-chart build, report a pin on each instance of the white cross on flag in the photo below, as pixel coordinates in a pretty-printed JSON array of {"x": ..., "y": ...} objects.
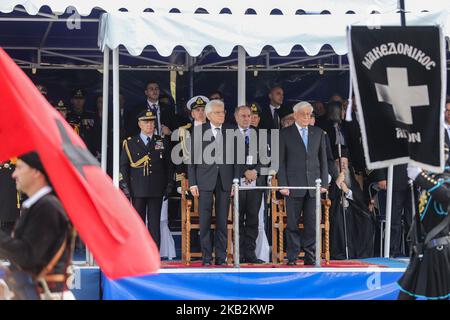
[{"x": 399, "y": 76}]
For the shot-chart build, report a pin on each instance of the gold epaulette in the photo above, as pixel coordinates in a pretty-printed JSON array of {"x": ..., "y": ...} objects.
[
  {"x": 182, "y": 135},
  {"x": 186, "y": 126},
  {"x": 143, "y": 162},
  {"x": 423, "y": 200}
]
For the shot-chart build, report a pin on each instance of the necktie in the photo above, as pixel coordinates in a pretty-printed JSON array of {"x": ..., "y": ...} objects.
[
  {"x": 148, "y": 141},
  {"x": 276, "y": 119},
  {"x": 154, "y": 110},
  {"x": 217, "y": 131},
  {"x": 305, "y": 137},
  {"x": 247, "y": 138}
]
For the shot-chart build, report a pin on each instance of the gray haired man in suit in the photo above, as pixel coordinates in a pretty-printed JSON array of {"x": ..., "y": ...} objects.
[
  {"x": 208, "y": 178},
  {"x": 303, "y": 159}
]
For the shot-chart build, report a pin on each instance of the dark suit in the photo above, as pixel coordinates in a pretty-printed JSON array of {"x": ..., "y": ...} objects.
[
  {"x": 211, "y": 179},
  {"x": 401, "y": 204},
  {"x": 146, "y": 170},
  {"x": 249, "y": 200},
  {"x": 301, "y": 167},
  {"x": 447, "y": 142},
  {"x": 267, "y": 120}
]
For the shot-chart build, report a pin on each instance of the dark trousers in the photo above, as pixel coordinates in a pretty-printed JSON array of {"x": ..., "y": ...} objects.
[
  {"x": 249, "y": 205},
  {"x": 401, "y": 211},
  {"x": 222, "y": 202},
  {"x": 294, "y": 239},
  {"x": 150, "y": 209}
]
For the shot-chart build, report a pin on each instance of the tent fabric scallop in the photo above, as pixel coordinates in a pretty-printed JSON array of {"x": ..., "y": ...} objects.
[{"x": 194, "y": 32}]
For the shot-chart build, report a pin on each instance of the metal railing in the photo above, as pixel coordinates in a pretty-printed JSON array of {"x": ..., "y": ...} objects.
[{"x": 237, "y": 188}]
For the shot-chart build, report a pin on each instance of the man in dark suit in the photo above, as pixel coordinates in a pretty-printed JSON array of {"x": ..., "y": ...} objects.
[
  {"x": 401, "y": 204},
  {"x": 249, "y": 175},
  {"x": 270, "y": 117},
  {"x": 146, "y": 172},
  {"x": 41, "y": 238},
  {"x": 209, "y": 174},
  {"x": 166, "y": 120},
  {"x": 303, "y": 159}
]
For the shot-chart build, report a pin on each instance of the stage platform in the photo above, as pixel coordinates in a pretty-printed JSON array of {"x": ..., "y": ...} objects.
[{"x": 366, "y": 279}]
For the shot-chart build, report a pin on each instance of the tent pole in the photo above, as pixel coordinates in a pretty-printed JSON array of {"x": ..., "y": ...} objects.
[
  {"x": 116, "y": 115},
  {"x": 387, "y": 229},
  {"x": 105, "y": 108},
  {"x": 241, "y": 76}
]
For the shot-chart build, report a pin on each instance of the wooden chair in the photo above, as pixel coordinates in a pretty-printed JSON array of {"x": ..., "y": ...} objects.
[
  {"x": 190, "y": 220},
  {"x": 279, "y": 224}
]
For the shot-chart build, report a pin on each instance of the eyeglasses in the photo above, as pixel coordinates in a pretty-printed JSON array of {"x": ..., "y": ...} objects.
[{"x": 218, "y": 112}]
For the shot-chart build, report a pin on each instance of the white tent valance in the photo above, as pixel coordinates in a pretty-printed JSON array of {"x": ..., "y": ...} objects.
[
  {"x": 261, "y": 7},
  {"x": 224, "y": 32}
]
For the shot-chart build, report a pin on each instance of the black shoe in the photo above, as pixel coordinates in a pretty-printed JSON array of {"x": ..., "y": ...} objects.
[
  {"x": 309, "y": 263},
  {"x": 207, "y": 263},
  {"x": 220, "y": 262},
  {"x": 255, "y": 261},
  {"x": 291, "y": 263},
  {"x": 243, "y": 260}
]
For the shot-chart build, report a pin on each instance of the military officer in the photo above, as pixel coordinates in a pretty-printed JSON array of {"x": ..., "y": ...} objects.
[
  {"x": 82, "y": 120},
  {"x": 9, "y": 197},
  {"x": 146, "y": 172},
  {"x": 256, "y": 114},
  {"x": 196, "y": 105}
]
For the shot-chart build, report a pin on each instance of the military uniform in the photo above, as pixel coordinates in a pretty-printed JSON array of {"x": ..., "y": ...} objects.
[
  {"x": 145, "y": 175},
  {"x": 84, "y": 123},
  {"x": 9, "y": 197},
  {"x": 428, "y": 272},
  {"x": 184, "y": 132}
]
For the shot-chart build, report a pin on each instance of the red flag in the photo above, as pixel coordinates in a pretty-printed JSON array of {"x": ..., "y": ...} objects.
[{"x": 102, "y": 215}]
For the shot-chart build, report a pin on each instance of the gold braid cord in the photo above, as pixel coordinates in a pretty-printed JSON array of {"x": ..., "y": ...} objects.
[
  {"x": 144, "y": 162},
  {"x": 182, "y": 133}
]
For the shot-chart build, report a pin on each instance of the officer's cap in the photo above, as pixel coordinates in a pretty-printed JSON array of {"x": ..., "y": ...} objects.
[
  {"x": 78, "y": 94},
  {"x": 197, "y": 101},
  {"x": 61, "y": 106},
  {"x": 255, "y": 108},
  {"x": 146, "y": 115}
]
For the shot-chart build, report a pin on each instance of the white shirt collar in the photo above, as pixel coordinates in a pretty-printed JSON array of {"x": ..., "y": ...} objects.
[
  {"x": 300, "y": 128},
  {"x": 214, "y": 127},
  {"x": 36, "y": 197},
  {"x": 197, "y": 123},
  {"x": 446, "y": 126},
  {"x": 272, "y": 107},
  {"x": 153, "y": 103},
  {"x": 144, "y": 137},
  {"x": 242, "y": 129}
]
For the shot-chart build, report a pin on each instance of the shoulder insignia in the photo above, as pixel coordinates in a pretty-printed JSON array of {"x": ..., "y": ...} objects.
[{"x": 187, "y": 126}]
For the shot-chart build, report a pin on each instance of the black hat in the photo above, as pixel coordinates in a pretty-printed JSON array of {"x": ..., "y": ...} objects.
[
  {"x": 255, "y": 108},
  {"x": 78, "y": 94},
  {"x": 61, "y": 106},
  {"x": 32, "y": 159},
  {"x": 146, "y": 115}
]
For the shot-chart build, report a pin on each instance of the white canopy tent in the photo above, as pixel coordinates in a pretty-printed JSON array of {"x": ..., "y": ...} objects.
[{"x": 250, "y": 25}]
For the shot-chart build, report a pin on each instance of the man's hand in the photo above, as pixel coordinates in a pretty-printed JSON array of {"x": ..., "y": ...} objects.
[
  {"x": 340, "y": 179},
  {"x": 165, "y": 130},
  {"x": 323, "y": 190},
  {"x": 251, "y": 175},
  {"x": 413, "y": 171},
  {"x": 382, "y": 184},
  {"x": 194, "y": 191},
  {"x": 344, "y": 188},
  {"x": 285, "y": 192}
]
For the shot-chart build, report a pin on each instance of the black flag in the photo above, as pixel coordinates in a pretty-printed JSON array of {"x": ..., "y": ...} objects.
[{"x": 399, "y": 75}]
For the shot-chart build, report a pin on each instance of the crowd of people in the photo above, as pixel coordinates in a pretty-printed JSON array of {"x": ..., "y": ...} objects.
[
  {"x": 314, "y": 142},
  {"x": 302, "y": 142}
]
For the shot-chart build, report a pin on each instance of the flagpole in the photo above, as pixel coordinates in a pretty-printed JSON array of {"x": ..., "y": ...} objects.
[
  {"x": 387, "y": 238},
  {"x": 116, "y": 115},
  {"x": 105, "y": 108}
]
